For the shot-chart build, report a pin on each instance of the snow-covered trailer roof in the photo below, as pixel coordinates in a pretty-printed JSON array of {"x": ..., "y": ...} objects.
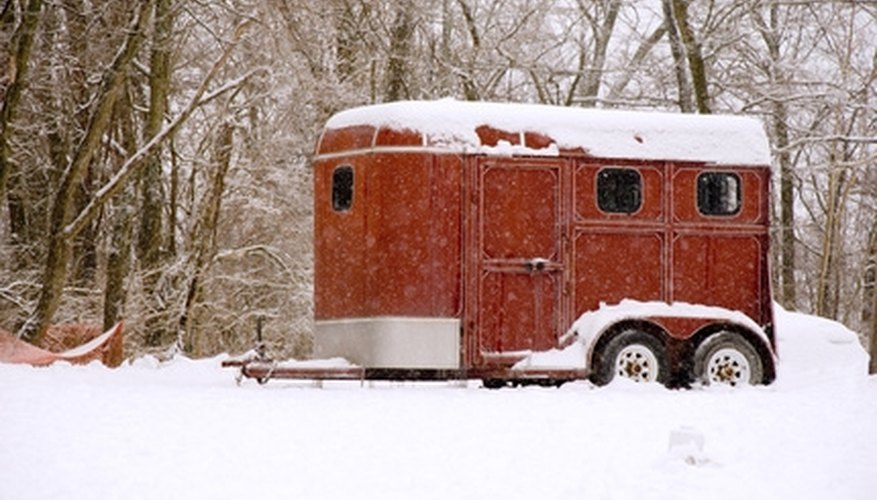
[{"x": 540, "y": 130}]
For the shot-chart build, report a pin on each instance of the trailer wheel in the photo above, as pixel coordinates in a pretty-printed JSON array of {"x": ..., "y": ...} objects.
[
  {"x": 493, "y": 383},
  {"x": 728, "y": 358},
  {"x": 632, "y": 354}
]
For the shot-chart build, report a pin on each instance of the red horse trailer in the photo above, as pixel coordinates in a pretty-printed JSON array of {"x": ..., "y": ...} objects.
[{"x": 455, "y": 239}]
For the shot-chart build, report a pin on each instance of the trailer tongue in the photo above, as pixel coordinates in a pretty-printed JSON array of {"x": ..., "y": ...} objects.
[{"x": 265, "y": 369}]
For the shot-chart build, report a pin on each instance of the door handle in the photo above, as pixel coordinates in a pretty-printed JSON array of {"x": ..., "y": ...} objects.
[{"x": 535, "y": 265}]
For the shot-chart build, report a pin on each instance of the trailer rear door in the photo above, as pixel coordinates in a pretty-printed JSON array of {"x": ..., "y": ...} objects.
[{"x": 520, "y": 264}]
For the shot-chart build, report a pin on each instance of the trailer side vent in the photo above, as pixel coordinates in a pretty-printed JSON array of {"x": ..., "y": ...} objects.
[
  {"x": 619, "y": 190},
  {"x": 718, "y": 193},
  {"x": 342, "y": 188}
]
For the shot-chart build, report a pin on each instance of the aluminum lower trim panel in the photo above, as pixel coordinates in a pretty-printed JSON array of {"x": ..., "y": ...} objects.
[{"x": 391, "y": 342}]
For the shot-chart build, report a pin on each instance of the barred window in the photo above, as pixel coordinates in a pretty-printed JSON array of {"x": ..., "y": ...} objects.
[
  {"x": 718, "y": 193},
  {"x": 619, "y": 190}
]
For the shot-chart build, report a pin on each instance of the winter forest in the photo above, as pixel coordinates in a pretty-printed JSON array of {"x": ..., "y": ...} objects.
[{"x": 154, "y": 154}]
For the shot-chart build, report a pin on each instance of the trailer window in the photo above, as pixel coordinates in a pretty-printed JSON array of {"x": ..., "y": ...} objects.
[
  {"x": 342, "y": 188},
  {"x": 718, "y": 193},
  {"x": 619, "y": 190}
]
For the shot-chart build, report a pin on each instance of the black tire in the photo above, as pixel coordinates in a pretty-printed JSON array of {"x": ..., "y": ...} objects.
[
  {"x": 632, "y": 354},
  {"x": 728, "y": 358},
  {"x": 493, "y": 383}
]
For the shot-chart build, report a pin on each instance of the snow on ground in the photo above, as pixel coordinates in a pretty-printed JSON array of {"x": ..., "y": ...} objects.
[{"x": 183, "y": 429}]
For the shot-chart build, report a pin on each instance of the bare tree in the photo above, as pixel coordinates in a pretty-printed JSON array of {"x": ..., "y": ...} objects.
[
  {"x": 771, "y": 34},
  {"x": 150, "y": 234},
  {"x": 400, "y": 52},
  {"x": 59, "y": 244},
  {"x": 869, "y": 292},
  {"x": 14, "y": 81},
  {"x": 677, "y": 48}
]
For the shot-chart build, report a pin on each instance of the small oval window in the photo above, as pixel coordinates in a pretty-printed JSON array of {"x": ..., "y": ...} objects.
[
  {"x": 342, "y": 188},
  {"x": 718, "y": 193},
  {"x": 619, "y": 190}
]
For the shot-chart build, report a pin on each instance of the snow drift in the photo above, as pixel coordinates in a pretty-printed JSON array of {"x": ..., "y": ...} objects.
[{"x": 183, "y": 429}]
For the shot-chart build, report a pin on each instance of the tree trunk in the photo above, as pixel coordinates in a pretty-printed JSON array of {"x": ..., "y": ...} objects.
[
  {"x": 470, "y": 90},
  {"x": 400, "y": 52},
  {"x": 348, "y": 38},
  {"x": 16, "y": 75},
  {"x": 872, "y": 366},
  {"x": 694, "y": 55},
  {"x": 150, "y": 237},
  {"x": 85, "y": 243},
  {"x": 826, "y": 284},
  {"x": 54, "y": 274},
  {"x": 779, "y": 123},
  {"x": 869, "y": 294},
  {"x": 121, "y": 221},
  {"x": 869, "y": 297},
  {"x": 679, "y": 64},
  {"x": 602, "y": 33},
  {"x": 173, "y": 203},
  {"x": 28, "y": 202},
  {"x": 636, "y": 61}
]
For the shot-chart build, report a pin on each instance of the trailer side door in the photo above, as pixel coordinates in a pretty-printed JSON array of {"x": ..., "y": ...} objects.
[{"x": 519, "y": 239}]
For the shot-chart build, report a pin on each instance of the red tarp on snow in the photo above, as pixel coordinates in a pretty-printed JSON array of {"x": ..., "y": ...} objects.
[{"x": 89, "y": 343}]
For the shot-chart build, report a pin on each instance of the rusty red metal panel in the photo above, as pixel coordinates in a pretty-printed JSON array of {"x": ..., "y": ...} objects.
[
  {"x": 396, "y": 251},
  {"x": 681, "y": 328},
  {"x": 537, "y": 141},
  {"x": 518, "y": 312},
  {"x": 392, "y": 137},
  {"x": 719, "y": 269},
  {"x": 619, "y": 255},
  {"x": 490, "y": 136},
  {"x": 412, "y": 240},
  {"x": 611, "y": 265},
  {"x": 651, "y": 210},
  {"x": 753, "y": 192},
  {"x": 520, "y": 206},
  {"x": 346, "y": 139},
  {"x": 722, "y": 259},
  {"x": 339, "y": 250}
]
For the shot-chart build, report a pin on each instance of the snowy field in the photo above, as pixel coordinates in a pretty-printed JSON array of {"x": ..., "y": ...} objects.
[{"x": 184, "y": 430}]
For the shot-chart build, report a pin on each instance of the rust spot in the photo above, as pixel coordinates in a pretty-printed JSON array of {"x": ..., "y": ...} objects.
[
  {"x": 490, "y": 136},
  {"x": 537, "y": 141}
]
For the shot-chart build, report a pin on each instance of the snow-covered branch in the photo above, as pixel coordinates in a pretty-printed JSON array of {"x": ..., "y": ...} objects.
[
  {"x": 804, "y": 141},
  {"x": 136, "y": 160}
]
